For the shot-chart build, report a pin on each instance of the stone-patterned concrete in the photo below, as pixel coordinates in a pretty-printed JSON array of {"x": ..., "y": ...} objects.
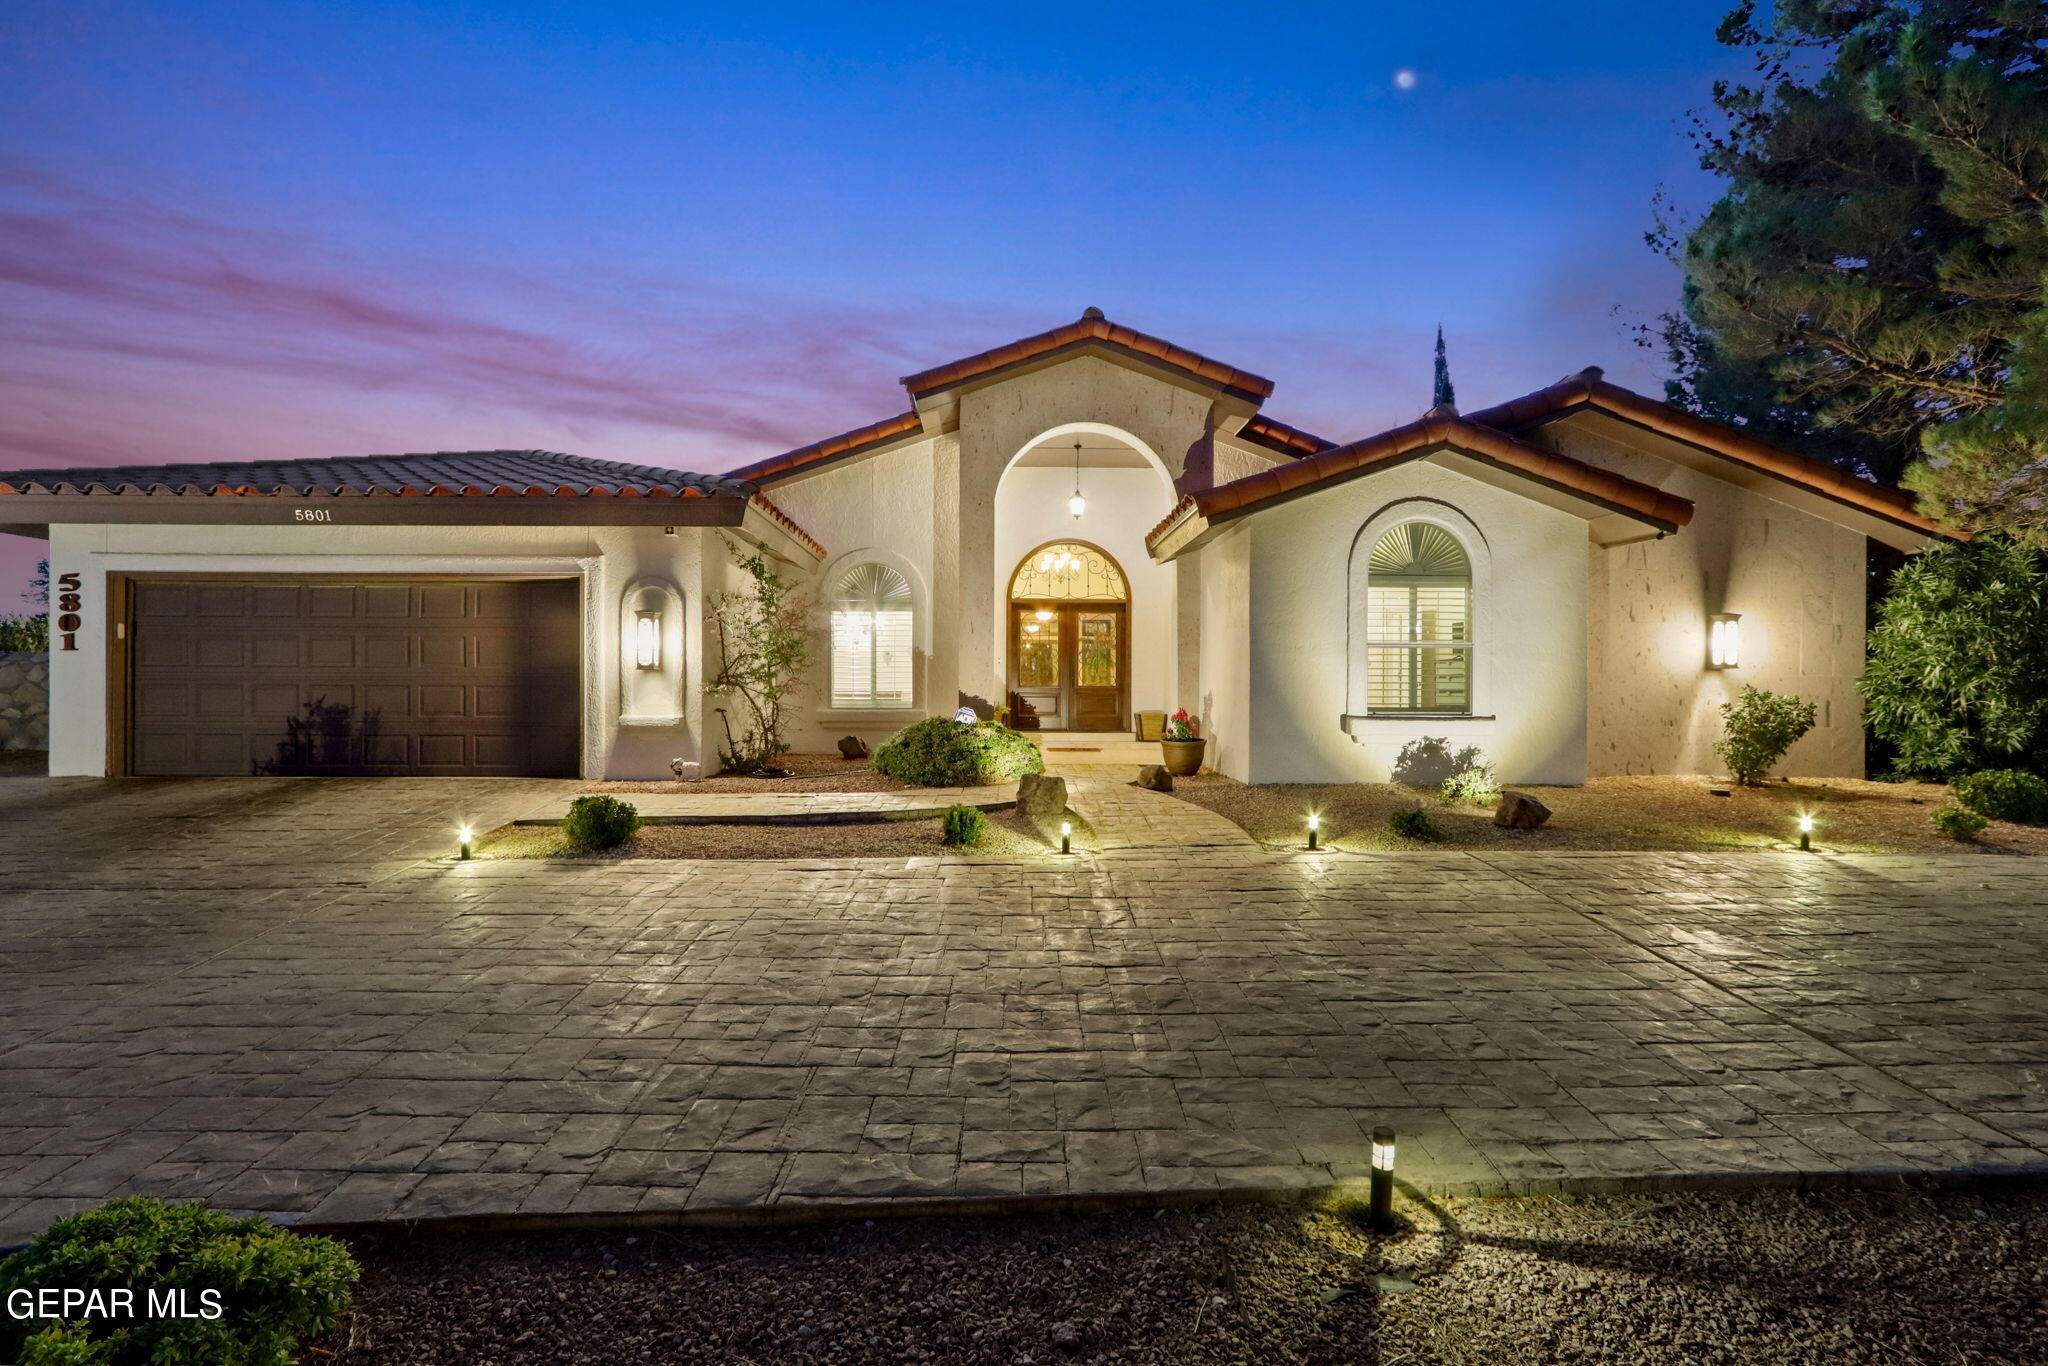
[
  {"x": 795, "y": 807},
  {"x": 270, "y": 993}
]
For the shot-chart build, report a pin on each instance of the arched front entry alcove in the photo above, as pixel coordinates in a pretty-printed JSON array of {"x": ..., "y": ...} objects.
[
  {"x": 1069, "y": 639},
  {"x": 1125, "y": 490}
]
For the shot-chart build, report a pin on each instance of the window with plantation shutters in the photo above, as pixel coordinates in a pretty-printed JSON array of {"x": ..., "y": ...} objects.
[
  {"x": 873, "y": 640},
  {"x": 1418, "y": 631}
]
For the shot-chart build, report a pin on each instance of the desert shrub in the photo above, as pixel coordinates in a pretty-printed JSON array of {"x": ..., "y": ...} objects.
[
  {"x": 942, "y": 752},
  {"x": 2005, "y": 794},
  {"x": 1958, "y": 672},
  {"x": 1959, "y": 825},
  {"x": 1473, "y": 783},
  {"x": 963, "y": 825},
  {"x": 1412, "y": 825},
  {"x": 763, "y": 642},
  {"x": 1758, "y": 728},
  {"x": 24, "y": 634},
  {"x": 600, "y": 822},
  {"x": 276, "y": 1288}
]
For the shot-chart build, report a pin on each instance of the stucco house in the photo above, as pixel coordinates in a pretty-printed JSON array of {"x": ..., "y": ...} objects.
[{"x": 1081, "y": 525}]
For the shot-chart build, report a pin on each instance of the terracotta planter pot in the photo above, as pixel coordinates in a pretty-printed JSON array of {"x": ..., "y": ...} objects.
[{"x": 1183, "y": 757}]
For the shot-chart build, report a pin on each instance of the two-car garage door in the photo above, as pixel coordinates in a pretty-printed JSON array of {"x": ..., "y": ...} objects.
[{"x": 440, "y": 677}]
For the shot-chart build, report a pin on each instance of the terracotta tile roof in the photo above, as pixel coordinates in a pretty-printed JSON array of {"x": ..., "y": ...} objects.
[
  {"x": 1090, "y": 327},
  {"x": 1280, "y": 437},
  {"x": 1660, "y": 509},
  {"x": 442, "y": 474},
  {"x": 831, "y": 448},
  {"x": 788, "y": 523},
  {"x": 1588, "y": 390}
]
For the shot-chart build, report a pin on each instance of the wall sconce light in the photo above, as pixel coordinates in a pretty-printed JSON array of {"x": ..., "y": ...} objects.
[
  {"x": 1724, "y": 640},
  {"x": 1066, "y": 837},
  {"x": 1382, "y": 1193},
  {"x": 462, "y": 836},
  {"x": 647, "y": 639},
  {"x": 1315, "y": 825}
]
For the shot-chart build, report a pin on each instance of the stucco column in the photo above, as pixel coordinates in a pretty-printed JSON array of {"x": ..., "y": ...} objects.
[
  {"x": 980, "y": 672},
  {"x": 942, "y": 673}
]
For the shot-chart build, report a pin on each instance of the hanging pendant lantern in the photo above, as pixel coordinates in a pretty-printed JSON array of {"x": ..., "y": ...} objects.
[{"x": 1077, "y": 504}]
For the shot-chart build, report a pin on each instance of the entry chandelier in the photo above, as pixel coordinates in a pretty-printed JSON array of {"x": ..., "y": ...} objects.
[
  {"x": 1060, "y": 564},
  {"x": 1077, "y": 504}
]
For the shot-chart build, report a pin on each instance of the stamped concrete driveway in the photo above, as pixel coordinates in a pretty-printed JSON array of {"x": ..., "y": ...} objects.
[{"x": 274, "y": 994}]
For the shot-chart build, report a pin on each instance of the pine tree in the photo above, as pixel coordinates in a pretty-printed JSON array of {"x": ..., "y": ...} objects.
[
  {"x": 1446, "y": 396},
  {"x": 1870, "y": 287}
]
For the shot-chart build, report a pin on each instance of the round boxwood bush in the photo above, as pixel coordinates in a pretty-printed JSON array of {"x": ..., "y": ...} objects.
[
  {"x": 942, "y": 752},
  {"x": 274, "y": 1289},
  {"x": 963, "y": 825},
  {"x": 1413, "y": 825},
  {"x": 600, "y": 822},
  {"x": 2005, "y": 794}
]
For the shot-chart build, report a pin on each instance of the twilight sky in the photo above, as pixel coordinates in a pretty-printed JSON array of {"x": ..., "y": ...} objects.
[{"x": 692, "y": 235}]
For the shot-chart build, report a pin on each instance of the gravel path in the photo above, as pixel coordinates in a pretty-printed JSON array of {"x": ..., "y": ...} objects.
[{"x": 1735, "y": 1279}]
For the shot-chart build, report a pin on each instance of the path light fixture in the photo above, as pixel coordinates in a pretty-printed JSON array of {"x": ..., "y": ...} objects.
[
  {"x": 462, "y": 836},
  {"x": 1077, "y": 504},
  {"x": 1315, "y": 827},
  {"x": 1381, "y": 1209},
  {"x": 1806, "y": 834},
  {"x": 1066, "y": 837},
  {"x": 1724, "y": 640}
]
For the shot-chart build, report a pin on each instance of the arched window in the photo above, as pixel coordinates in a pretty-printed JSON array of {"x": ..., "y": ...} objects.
[
  {"x": 873, "y": 638},
  {"x": 1418, "y": 625}
]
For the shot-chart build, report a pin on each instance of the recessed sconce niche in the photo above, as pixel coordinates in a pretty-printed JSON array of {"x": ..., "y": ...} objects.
[{"x": 651, "y": 653}]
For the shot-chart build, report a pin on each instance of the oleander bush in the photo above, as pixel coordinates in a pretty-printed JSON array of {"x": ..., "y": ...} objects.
[
  {"x": 1413, "y": 825},
  {"x": 943, "y": 752},
  {"x": 1959, "y": 825},
  {"x": 600, "y": 822},
  {"x": 274, "y": 1289},
  {"x": 1758, "y": 727},
  {"x": 963, "y": 825},
  {"x": 2005, "y": 794}
]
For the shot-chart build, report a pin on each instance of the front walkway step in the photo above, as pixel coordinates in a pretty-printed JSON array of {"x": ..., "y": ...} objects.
[
  {"x": 792, "y": 808},
  {"x": 1129, "y": 817}
]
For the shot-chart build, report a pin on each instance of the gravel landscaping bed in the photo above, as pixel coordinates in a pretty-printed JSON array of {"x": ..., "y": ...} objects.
[
  {"x": 1008, "y": 836},
  {"x": 814, "y": 773},
  {"x": 1675, "y": 813},
  {"x": 1732, "y": 1279}
]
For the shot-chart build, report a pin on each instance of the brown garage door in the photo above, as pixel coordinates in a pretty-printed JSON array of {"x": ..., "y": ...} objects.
[{"x": 435, "y": 677}]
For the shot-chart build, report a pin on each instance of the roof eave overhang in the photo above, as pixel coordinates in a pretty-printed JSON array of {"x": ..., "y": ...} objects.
[
  {"x": 1906, "y": 532},
  {"x": 269, "y": 509}
]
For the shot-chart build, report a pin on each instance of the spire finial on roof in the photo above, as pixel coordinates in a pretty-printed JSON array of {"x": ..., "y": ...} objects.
[
  {"x": 1091, "y": 314},
  {"x": 1444, "y": 396}
]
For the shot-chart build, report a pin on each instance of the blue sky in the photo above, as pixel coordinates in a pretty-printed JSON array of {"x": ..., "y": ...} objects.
[{"x": 695, "y": 235}]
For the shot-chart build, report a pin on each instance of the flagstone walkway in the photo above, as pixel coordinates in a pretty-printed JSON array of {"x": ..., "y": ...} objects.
[{"x": 281, "y": 996}]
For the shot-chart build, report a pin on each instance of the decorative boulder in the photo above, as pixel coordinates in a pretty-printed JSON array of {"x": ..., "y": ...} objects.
[
  {"x": 1042, "y": 796},
  {"x": 1518, "y": 811},
  {"x": 1155, "y": 778},
  {"x": 685, "y": 771},
  {"x": 853, "y": 747}
]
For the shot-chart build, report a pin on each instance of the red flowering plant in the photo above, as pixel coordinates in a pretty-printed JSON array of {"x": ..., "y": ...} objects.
[{"x": 1184, "y": 727}]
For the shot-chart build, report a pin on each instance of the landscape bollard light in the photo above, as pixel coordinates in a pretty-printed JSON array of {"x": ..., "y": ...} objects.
[
  {"x": 462, "y": 835},
  {"x": 1066, "y": 837},
  {"x": 1382, "y": 1206},
  {"x": 1806, "y": 833},
  {"x": 1315, "y": 825}
]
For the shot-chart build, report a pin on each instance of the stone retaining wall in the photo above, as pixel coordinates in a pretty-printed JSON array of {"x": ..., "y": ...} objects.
[{"x": 24, "y": 701}]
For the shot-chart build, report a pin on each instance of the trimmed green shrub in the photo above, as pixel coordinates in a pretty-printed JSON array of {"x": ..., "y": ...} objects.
[
  {"x": 600, "y": 822},
  {"x": 275, "y": 1289},
  {"x": 25, "y": 634},
  {"x": 942, "y": 752},
  {"x": 1473, "y": 784},
  {"x": 1959, "y": 825},
  {"x": 1759, "y": 727},
  {"x": 1958, "y": 673},
  {"x": 1413, "y": 825},
  {"x": 2005, "y": 794},
  {"x": 963, "y": 825}
]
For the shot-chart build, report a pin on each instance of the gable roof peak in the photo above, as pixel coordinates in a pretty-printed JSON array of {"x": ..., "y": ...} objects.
[{"x": 1092, "y": 329}]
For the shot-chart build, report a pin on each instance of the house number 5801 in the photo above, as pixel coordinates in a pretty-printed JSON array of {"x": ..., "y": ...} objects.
[{"x": 68, "y": 606}]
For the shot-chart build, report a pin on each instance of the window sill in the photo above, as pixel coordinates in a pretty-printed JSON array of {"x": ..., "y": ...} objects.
[
  {"x": 1381, "y": 725},
  {"x": 1421, "y": 716}
]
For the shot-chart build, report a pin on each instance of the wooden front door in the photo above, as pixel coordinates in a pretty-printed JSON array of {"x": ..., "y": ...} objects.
[{"x": 1069, "y": 666}]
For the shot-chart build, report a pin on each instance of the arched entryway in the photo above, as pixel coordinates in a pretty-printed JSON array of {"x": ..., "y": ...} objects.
[{"x": 1069, "y": 639}]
